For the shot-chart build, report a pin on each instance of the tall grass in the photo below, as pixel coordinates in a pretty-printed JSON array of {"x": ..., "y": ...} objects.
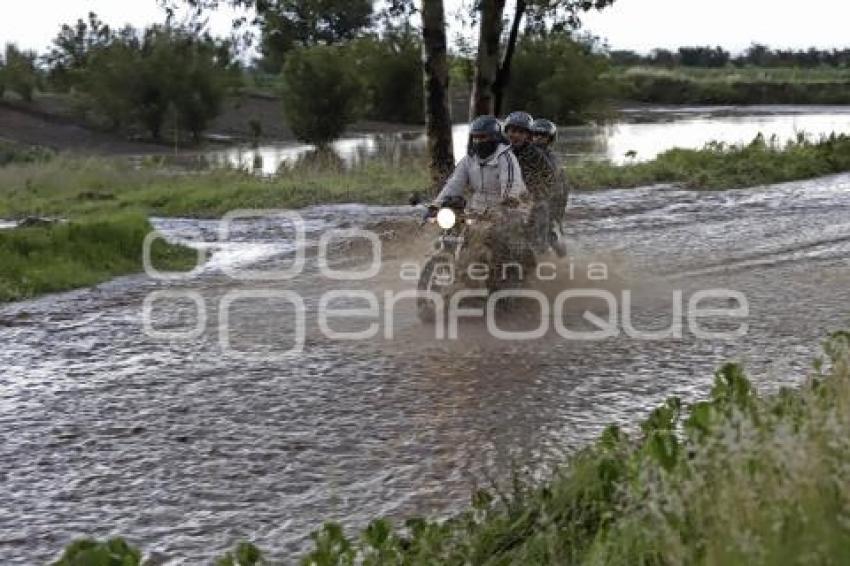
[
  {"x": 737, "y": 479},
  {"x": 73, "y": 186},
  {"x": 63, "y": 256},
  {"x": 17, "y": 153}
]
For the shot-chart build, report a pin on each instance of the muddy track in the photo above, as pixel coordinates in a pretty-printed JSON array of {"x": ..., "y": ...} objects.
[{"x": 185, "y": 450}]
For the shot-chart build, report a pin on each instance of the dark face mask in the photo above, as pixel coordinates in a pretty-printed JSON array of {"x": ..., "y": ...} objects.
[{"x": 484, "y": 149}]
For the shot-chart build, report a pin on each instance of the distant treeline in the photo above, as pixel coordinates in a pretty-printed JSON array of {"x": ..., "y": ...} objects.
[{"x": 756, "y": 55}]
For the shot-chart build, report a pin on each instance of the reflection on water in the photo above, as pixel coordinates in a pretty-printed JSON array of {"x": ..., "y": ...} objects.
[{"x": 643, "y": 132}]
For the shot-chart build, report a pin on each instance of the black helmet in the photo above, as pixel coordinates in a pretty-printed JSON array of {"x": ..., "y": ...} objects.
[
  {"x": 486, "y": 126},
  {"x": 544, "y": 127},
  {"x": 485, "y": 135},
  {"x": 519, "y": 120}
]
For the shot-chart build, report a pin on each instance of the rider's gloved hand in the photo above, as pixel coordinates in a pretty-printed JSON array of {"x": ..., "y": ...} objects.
[{"x": 431, "y": 211}]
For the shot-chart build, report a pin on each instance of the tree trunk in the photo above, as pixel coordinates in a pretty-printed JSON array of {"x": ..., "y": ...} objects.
[
  {"x": 483, "y": 100},
  {"x": 503, "y": 77},
  {"x": 437, "y": 112}
]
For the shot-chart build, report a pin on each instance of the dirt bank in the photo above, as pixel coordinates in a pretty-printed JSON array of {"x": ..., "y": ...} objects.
[{"x": 51, "y": 121}]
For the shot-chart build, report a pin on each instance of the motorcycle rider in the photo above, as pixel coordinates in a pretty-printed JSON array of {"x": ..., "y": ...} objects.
[
  {"x": 538, "y": 172},
  {"x": 489, "y": 169},
  {"x": 544, "y": 133},
  {"x": 491, "y": 173}
]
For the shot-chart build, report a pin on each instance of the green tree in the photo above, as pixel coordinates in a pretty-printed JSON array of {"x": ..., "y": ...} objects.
[
  {"x": 321, "y": 94},
  {"x": 187, "y": 75},
  {"x": 494, "y": 62},
  {"x": 18, "y": 72},
  {"x": 137, "y": 78},
  {"x": 111, "y": 85},
  {"x": 288, "y": 24},
  {"x": 72, "y": 47},
  {"x": 390, "y": 70},
  {"x": 561, "y": 78}
]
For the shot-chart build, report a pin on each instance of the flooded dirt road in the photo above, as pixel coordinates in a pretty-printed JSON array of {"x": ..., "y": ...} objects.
[{"x": 184, "y": 450}]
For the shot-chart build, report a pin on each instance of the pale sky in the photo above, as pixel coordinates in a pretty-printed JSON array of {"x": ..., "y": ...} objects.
[{"x": 629, "y": 24}]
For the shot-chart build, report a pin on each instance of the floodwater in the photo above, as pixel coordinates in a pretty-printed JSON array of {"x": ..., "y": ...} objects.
[
  {"x": 637, "y": 135},
  {"x": 185, "y": 448}
]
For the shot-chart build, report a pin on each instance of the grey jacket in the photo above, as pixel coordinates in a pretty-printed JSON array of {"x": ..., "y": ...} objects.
[{"x": 490, "y": 180}]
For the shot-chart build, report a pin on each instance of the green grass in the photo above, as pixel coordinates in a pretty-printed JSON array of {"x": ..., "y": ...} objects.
[
  {"x": 65, "y": 256},
  {"x": 107, "y": 203},
  {"x": 720, "y": 166},
  {"x": 11, "y": 152},
  {"x": 79, "y": 187},
  {"x": 732, "y": 85},
  {"x": 737, "y": 479}
]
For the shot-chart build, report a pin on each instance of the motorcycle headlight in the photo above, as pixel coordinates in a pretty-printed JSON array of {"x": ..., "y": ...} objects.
[{"x": 446, "y": 218}]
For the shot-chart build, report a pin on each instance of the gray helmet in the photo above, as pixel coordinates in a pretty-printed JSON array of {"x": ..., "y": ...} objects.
[
  {"x": 521, "y": 120},
  {"x": 486, "y": 125},
  {"x": 544, "y": 127}
]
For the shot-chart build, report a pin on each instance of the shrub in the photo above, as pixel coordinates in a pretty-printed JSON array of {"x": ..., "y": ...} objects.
[
  {"x": 88, "y": 552},
  {"x": 390, "y": 70},
  {"x": 136, "y": 78},
  {"x": 321, "y": 94},
  {"x": 18, "y": 73}
]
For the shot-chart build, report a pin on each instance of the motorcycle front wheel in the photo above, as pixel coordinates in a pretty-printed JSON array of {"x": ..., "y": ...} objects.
[{"x": 437, "y": 277}]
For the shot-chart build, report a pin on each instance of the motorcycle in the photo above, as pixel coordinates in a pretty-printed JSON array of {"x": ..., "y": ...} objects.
[{"x": 505, "y": 262}]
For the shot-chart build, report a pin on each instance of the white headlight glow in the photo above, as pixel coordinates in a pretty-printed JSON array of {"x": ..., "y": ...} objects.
[{"x": 446, "y": 218}]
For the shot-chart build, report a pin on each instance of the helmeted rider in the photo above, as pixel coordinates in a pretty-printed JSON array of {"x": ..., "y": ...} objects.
[
  {"x": 544, "y": 133},
  {"x": 489, "y": 170},
  {"x": 490, "y": 177},
  {"x": 537, "y": 170}
]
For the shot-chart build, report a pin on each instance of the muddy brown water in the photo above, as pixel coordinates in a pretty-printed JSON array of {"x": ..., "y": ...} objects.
[{"x": 185, "y": 450}]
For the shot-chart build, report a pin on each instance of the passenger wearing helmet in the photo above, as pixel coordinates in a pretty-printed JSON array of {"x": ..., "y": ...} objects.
[
  {"x": 544, "y": 133},
  {"x": 489, "y": 169},
  {"x": 539, "y": 174}
]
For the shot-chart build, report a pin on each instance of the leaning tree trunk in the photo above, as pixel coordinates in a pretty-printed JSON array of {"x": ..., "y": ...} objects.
[
  {"x": 503, "y": 77},
  {"x": 438, "y": 116},
  {"x": 482, "y": 100}
]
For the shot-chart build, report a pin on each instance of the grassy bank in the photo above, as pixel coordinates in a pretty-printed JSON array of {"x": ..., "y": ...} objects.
[
  {"x": 684, "y": 85},
  {"x": 78, "y": 187},
  {"x": 43, "y": 259},
  {"x": 107, "y": 202},
  {"x": 720, "y": 166},
  {"x": 736, "y": 479}
]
